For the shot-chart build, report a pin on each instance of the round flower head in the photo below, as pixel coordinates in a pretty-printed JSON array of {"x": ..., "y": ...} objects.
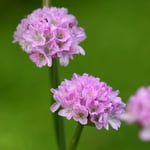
[
  {"x": 48, "y": 33},
  {"x": 138, "y": 111},
  {"x": 88, "y": 100}
]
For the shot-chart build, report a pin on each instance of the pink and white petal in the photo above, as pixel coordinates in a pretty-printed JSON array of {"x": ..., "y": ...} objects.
[
  {"x": 64, "y": 60},
  {"x": 53, "y": 90},
  {"x": 38, "y": 59},
  {"x": 145, "y": 134},
  {"x": 115, "y": 123},
  {"x": 106, "y": 126},
  {"x": 127, "y": 117},
  {"x": 66, "y": 113},
  {"x": 55, "y": 107},
  {"x": 49, "y": 61},
  {"x": 83, "y": 121},
  {"x": 81, "y": 50},
  {"x": 98, "y": 125}
]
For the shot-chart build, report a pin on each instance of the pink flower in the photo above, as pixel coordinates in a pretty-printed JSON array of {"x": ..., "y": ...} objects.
[
  {"x": 88, "y": 100},
  {"x": 51, "y": 29},
  {"x": 138, "y": 111}
]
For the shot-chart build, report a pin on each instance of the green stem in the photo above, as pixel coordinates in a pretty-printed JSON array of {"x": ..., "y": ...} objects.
[
  {"x": 45, "y": 2},
  {"x": 76, "y": 137},
  {"x": 58, "y": 121}
]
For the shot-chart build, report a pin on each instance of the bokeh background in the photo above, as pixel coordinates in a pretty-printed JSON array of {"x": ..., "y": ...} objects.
[{"x": 117, "y": 50}]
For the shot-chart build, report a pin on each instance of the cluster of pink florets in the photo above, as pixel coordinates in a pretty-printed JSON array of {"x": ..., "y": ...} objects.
[
  {"x": 88, "y": 100},
  {"x": 48, "y": 33},
  {"x": 138, "y": 111}
]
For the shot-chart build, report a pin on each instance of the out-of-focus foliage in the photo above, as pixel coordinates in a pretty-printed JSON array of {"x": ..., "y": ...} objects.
[{"x": 117, "y": 50}]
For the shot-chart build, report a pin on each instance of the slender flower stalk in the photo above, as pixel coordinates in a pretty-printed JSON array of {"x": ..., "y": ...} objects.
[
  {"x": 58, "y": 121},
  {"x": 76, "y": 137},
  {"x": 46, "y": 2}
]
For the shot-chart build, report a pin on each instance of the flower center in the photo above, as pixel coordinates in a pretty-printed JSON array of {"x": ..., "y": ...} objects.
[
  {"x": 60, "y": 35},
  {"x": 41, "y": 56},
  {"x": 81, "y": 115}
]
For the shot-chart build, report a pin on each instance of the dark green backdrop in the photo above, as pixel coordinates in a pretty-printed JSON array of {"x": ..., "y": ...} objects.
[{"x": 117, "y": 50}]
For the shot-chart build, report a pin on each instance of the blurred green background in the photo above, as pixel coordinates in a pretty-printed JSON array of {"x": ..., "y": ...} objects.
[{"x": 117, "y": 50}]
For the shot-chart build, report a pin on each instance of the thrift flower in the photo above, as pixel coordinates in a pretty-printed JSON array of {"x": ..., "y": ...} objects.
[
  {"x": 88, "y": 100},
  {"x": 138, "y": 111},
  {"x": 49, "y": 33}
]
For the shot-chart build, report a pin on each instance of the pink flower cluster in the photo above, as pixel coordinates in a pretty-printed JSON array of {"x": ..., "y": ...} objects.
[
  {"x": 88, "y": 100},
  {"x": 48, "y": 33},
  {"x": 138, "y": 111}
]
